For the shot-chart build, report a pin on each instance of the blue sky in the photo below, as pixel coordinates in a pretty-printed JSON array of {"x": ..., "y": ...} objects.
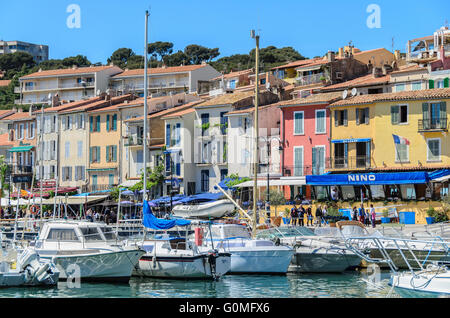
[{"x": 311, "y": 27}]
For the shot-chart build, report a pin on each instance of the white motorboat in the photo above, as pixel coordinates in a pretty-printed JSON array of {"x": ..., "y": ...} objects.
[
  {"x": 205, "y": 210},
  {"x": 28, "y": 270},
  {"x": 85, "y": 250},
  {"x": 248, "y": 256},
  {"x": 433, "y": 279},
  {"x": 313, "y": 254},
  {"x": 174, "y": 257}
]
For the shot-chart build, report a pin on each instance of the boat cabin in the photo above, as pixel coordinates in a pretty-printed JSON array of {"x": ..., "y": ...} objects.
[{"x": 70, "y": 234}]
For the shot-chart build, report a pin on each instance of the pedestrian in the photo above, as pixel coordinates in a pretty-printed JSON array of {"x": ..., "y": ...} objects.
[
  {"x": 301, "y": 215},
  {"x": 324, "y": 214},
  {"x": 355, "y": 214},
  {"x": 367, "y": 217},
  {"x": 309, "y": 216},
  {"x": 294, "y": 215},
  {"x": 319, "y": 215},
  {"x": 89, "y": 215},
  {"x": 361, "y": 213},
  {"x": 373, "y": 215}
]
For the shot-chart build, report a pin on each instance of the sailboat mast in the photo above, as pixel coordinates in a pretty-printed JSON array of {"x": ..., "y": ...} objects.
[
  {"x": 256, "y": 133},
  {"x": 144, "y": 141}
]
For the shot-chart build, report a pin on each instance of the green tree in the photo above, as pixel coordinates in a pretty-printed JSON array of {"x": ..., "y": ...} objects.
[
  {"x": 197, "y": 54},
  {"x": 276, "y": 198},
  {"x": 121, "y": 57},
  {"x": 176, "y": 59},
  {"x": 160, "y": 48},
  {"x": 14, "y": 63},
  {"x": 3, "y": 173},
  {"x": 155, "y": 177}
]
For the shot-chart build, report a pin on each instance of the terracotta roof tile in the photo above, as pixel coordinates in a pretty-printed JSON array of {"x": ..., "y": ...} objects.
[
  {"x": 68, "y": 71},
  {"x": 20, "y": 116},
  {"x": 312, "y": 99},
  {"x": 427, "y": 94},
  {"x": 4, "y": 82},
  {"x": 228, "y": 99},
  {"x": 234, "y": 74},
  {"x": 296, "y": 63},
  {"x": 409, "y": 68},
  {"x": 159, "y": 70},
  {"x": 6, "y": 112},
  {"x": 360, "y": 81},
  {"x": 72, "y": 105},
  {"x": 170, "y": 111}
]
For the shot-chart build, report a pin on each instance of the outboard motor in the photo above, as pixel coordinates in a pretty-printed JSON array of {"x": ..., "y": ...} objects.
[{"x": 212, "y": 257}]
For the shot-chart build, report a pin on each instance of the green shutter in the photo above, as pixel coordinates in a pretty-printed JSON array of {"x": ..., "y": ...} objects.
[
  {"x": 395, "y": 111},
  {"x": 98, "y": 123},
  {"x": 336, "y": 119},
  {"x": 114, "y": 153},
  {"x": 446, "y": 82},
  {"x": 107, "y": 122},
  {"x": 98, "y": 154},
  {"x": 107, "y": 153},
  {"x": 90, "y": 154},
  {"x": 91, "y": 123},
  {"x": 114, "y": 118},
  {"x": 431, "y": 84}
]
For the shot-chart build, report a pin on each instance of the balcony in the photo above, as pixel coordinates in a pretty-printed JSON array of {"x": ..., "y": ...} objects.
[
  {"x": 310, "y": 79},
  {"x": 134, "y": 141},
  {"x": 433, "y": 124},
  {"x": 20, "y": 169},
  {"x": 16, "y": 90},
  {"x": 346, "y": 163},
  {"x": 43, "y": 87},
  {"x": 96, "y": 187}
]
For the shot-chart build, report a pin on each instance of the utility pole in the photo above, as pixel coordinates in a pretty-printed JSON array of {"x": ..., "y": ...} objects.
[{"x": 255, "y": 153}]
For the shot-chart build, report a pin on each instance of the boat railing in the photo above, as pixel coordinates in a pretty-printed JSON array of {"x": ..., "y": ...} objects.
[{"x": 360, "y": 245}]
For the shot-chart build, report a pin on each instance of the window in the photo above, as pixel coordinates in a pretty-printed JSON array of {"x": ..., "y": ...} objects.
[
  {"x": 168, "y": 135},
  {"x": 79, "y": 173},
  {"x": 62, "y": 235},
  {"x": 434, "y": 149},
  {"x": 21, "y": 131},
  {"x": 111, "y": 153},
  {"x": 340, "y": 118},
  {"x": 362, "y": 116},
  {"x": 400, "y": 87},
  {"x": 318, "y": 160},
  {"x": 67, "y": 173},
  {"x": 31, "y": 129},
  {"x": 114, "y": 122},
  {"x": 94, "y": 123},
  {"x": 111, "y": 179},
  {"x": 321, "y": 122},
  {"x": 299, "y": 121},
  {"x": 399, "y": 114},
  {"x": 416, "y": 86},
  {"x": 53, "y": 150},
  {"x": 298, "y": 161},
  {"x": 223, "y": 174},
  {"x": 223, "y": 123},
  {"x": 401, "y": 153},
  {"x": 205, "y": 123},
  {"x": 204, "y": 180},
  {"x": 91, "y": 234},
  {"x": 80, "y": 121},
  {"x": 94, "y": 154}
]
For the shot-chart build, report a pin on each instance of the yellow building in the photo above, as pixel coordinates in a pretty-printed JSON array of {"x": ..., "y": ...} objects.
[{"x": 104, "y": 147}]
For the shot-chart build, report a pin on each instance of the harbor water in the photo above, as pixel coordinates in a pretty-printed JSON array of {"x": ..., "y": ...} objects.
[{"x": 352, "y": 284}]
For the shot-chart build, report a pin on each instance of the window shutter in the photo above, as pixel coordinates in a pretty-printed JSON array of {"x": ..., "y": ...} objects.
[
  {"x": 346, "y": 117},
  {"x": 357, "y": 116},
  {"x": 426, "y": 115},
  {"x": 90, "y": 155},
  {"x": 395, "y": 111},
  {"x": 114, "y": 122},
  {"x": 107, "y": 122},
  {"x": 64, "y": 173},
  {"x": 76, "y": 173},
  {"x": 107, "y": 154},
  {"x": 168, "y": 135},
  {"x": 336, "y": 118},
  {"x": 91, "y": 123},
  {"x": 446, "y": 82},
  {"x": 314, "y": 161},
  {"x": 431, "y": 84},
  {"x": 366, "y": 115},
  {"x": 83, "y": 173},
  {"x": 98, "y": 124},
  {"x": 178, "y": 134},
  {"x": 98, "y": 154},
  {"x": 115, "y": 153},
  {"x": 70, "y": 173},
  {"x": 178, "y": 169}
]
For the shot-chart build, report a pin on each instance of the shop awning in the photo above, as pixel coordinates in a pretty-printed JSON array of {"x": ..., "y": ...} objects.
[
  {"x": 349, "y": 141},
  {"x": 74, "y": 199},
  {"x": 369, "y": 179},
  {"x": 21, "y": 149},
  {"x": 440, "y": 175},
  {"x": 129, "y": 183}
]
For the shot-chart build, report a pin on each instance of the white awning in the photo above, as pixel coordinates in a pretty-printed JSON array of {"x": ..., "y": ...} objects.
[
  {"x": 441, "y": 179},
  {"x": 129, "y": 183},
  {"x": 280, "y": 182}
]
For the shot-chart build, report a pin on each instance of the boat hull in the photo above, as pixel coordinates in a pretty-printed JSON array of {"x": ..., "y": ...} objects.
[
  {"x": 326, "y": 262},
  {"x": 260, "y": 261},
  {"x": 430, "y": 282},
  {"x": 214, "y": 209},
  {"x": 182, "y": 267},
  {"x": 114, "y": 266}
]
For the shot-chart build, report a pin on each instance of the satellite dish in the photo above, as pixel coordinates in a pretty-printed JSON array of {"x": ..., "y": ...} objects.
[
  {"x": 49, "y": 95},
  {"x": 268, "y": 85},
  {"x": 344, "y": 94},
  {"x": 98, "y": 92},
  {"x": 354, "y": 91}
]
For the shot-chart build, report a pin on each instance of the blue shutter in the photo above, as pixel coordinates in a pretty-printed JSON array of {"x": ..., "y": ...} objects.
[
  {"x": 90, "y": 154},
  {"x": 168, "y": 135},
  {"x": 178, "y": 169},
  {"x": 98, "y": 123},
  {"x": 107, "y": 122},
  {"x": 91, "y": 123},
  {"x": 114, "y": 122},
  {"x": 98, "y": 154},
  {"x": 114, "y": 153},
  {"x": 178, "y": 134}
]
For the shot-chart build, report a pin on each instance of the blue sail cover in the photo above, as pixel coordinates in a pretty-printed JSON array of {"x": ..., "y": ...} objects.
[
  {"x": 202, "y": 197},
  {"x": 369, "y": 179},
  {"x": 150, "y": 221}
]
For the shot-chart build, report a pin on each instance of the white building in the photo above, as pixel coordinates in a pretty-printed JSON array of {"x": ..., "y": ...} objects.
[{"x": 38, "y": 51}]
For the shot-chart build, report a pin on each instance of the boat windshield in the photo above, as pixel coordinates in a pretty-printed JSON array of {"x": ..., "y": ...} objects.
[
  {"x": 108, "y": 233},
  {"x": 62, "y": 235},
  {"x": 353, "y": 231},
  {"x": 230, "y": 232},
  {"x": 285, "y": 232},
  {"x": 91, "y": 234},
  {"x": 327, "y": 231}
]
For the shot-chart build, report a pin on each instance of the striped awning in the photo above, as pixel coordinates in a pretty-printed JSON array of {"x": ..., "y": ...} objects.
[{"x": 21, "y": 149}]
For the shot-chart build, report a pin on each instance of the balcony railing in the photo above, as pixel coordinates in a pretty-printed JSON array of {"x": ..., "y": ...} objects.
[
  {"x": 356, "y": 162},
  {"x": 97, "y": 187},
  {"x": 20, "y": 169},
  {"x": 433, "y": 124},
  {"x": 309, "y": 79},
  {"x": 59, "y": 86},
  {"x": 134, "y": 141}
]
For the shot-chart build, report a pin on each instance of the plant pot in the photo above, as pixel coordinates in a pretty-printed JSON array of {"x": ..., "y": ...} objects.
[
  {"x": 430, "y": 220},
  {"x": 385, "y": 220},
  {"x": 332, "y": 224}
]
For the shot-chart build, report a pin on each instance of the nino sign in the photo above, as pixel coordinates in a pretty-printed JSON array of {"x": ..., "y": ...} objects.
[{"x": 361, "y": 178}]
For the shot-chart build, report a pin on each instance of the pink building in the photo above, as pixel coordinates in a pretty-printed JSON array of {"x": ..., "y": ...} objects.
[{"x": 305, "y": 130}]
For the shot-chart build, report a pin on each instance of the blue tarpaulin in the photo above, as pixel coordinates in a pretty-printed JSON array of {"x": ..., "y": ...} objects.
[
  {"x": 369, "y": 179},
  {"x": 202, "y": 197},
  {"x": 150, "y": 221}
]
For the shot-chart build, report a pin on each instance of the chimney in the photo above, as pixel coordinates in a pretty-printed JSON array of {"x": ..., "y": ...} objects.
[
  {"x": 341, "y": 52},
  {"x": 20, "y": 110},
  {"x": 74, "y": 67},
  {"x": 397, "y": 55},
  {"x": 330, "y": 56}
]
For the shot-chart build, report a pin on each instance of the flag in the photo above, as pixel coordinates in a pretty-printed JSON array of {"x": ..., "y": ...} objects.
[
  {"x": 24, "y": 193},
  {"x": 400, "y": 140}
]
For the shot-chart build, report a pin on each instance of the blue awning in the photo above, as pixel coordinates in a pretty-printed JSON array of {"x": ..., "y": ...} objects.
[
  {"x": 438, "y": 174},
  {"x": 420, "y": 177},
  {"x": 348, "y": 141}
]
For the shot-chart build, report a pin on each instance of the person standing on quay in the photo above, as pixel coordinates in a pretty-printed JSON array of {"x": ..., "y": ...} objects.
[
  {"x": 301, "y": 215},
  {"x": 361, "y": 214},
  {"x": 309, "y": 216},
  {"x": 373, "y": 215},
  {"x": 294, "y": 215},
  {"x": 319, "y": 215}
]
